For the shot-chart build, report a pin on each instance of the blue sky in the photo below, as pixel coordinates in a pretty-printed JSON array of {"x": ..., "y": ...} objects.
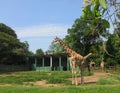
[{"x": 39, "y": 21}]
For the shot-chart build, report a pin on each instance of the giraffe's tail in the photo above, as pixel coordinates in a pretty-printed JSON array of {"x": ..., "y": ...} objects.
[{"x": 87, "y": 55}]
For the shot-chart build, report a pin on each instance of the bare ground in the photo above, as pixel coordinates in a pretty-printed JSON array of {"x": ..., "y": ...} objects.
[
  {"x": 94, "y": 78},
  {"x": 43, "y": 83}
]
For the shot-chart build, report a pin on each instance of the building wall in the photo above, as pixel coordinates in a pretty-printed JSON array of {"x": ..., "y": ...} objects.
[
  {"x": 51, "y": 62},
  {"x": 42, "y": 62}
]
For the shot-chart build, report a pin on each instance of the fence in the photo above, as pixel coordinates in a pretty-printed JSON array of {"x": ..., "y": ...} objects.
[{"x": 14, "y": 68}]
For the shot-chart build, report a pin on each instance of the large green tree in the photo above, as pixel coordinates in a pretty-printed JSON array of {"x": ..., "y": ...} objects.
[
  {"x": 113, "y": 47},
  {"x": 6, "y": 29},
  {"x": 55, "y": 48},
  {"x": 39, "y": 52},
  {"x": 113, "y": 43},
  {"x": 89, "y": 31},
  {"x": 12, "y": 51}
]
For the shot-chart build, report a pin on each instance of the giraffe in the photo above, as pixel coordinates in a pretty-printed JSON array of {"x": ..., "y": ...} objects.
[
  {"x": 102, "y": 64},
  {"x": 75, "y": 60},
  {"x": 92, "y": 65}
]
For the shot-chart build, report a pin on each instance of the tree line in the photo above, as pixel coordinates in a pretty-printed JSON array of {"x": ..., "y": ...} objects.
[{"x": 12, "y": 50}]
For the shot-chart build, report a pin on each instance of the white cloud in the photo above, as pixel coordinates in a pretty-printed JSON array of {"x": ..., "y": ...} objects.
[{"x": 43, "y": 30}]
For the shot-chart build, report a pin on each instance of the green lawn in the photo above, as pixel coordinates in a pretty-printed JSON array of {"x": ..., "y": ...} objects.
[
  {"x": 16, "y": 81},
  {"x": 64, "y": 89},
  {"x": 32, "y": 76}
]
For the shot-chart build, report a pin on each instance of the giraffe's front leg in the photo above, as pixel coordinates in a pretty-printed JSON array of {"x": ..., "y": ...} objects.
[
  {"x": 72, "y": 70},
  {"x": 76, "y": 81},
  {"x": 73, "y": 77}
]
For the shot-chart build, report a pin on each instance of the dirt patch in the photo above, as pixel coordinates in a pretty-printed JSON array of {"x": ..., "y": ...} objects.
[
  {"x": 43, "y": 83},
  {"x": 95, "y": 77},
  {"x": 92, "y": 79},
  {"x": 5, "y": 85},
  {"x": 5, "y": 75}
]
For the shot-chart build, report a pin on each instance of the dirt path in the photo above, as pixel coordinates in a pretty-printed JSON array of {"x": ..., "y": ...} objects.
[
  {"x": 44, "y": 84},
  {"x": 95, "y": 77}
]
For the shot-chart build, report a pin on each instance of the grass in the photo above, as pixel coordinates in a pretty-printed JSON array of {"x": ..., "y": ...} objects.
[
  {"x": 111, "y": 84},
  {"x": 112, "y": 79},
  {"x": 32, "y": 76},
  {"x": 64, "y": 89},
  {"x": 20, "y": 77},
  {"x": 107, "y": 81}
]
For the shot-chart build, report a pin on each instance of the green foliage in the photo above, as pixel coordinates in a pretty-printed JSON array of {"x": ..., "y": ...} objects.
[
  {"x": 89, "y": 31},
  {"x": 30, "y": 53},
  {"x": 55, "y": 48},
  {"x": 103, "y": 3},
  {"x": 111, "y": 61},
  {"x": 92, "y": 9},
  {"x": 12, "y": 51},
  {"x": 39, "y": 52},
  {"x": 75, "y": 37},
  {"x": 85, "y": 37},
  {"x": 106, "y": 24},
  {"x": 87, "y": 10},
  {"x": 7, "y": 30},
  {"x": 113, "y": 47}
]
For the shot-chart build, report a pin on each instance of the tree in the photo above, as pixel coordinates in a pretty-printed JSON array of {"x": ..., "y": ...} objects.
[
  {"x": 113, "y": 43},
  {"x": 83, "y": 39},
  {"x": 39, "y": 52},
  {"x": 102, "y": 9},
  {"x": 55, "y": 49},
  {"x": 4, "y": 28},
  {"x": 12, "y": 51},
  {"x": 113, "y": 46},
  {"x": 117, "y": 18},
  {"x": 74, "y": 39},
  {"x": 30, "y": 53}
]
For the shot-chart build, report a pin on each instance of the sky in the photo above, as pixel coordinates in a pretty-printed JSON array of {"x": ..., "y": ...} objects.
[{"x": 39, "y": 21}]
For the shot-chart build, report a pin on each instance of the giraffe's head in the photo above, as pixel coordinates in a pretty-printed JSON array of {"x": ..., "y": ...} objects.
[{"x": 56, "y": 39}]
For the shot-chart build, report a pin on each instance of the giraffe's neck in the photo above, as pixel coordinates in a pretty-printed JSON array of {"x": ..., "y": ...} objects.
[{"x": 66, "y": 48}]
